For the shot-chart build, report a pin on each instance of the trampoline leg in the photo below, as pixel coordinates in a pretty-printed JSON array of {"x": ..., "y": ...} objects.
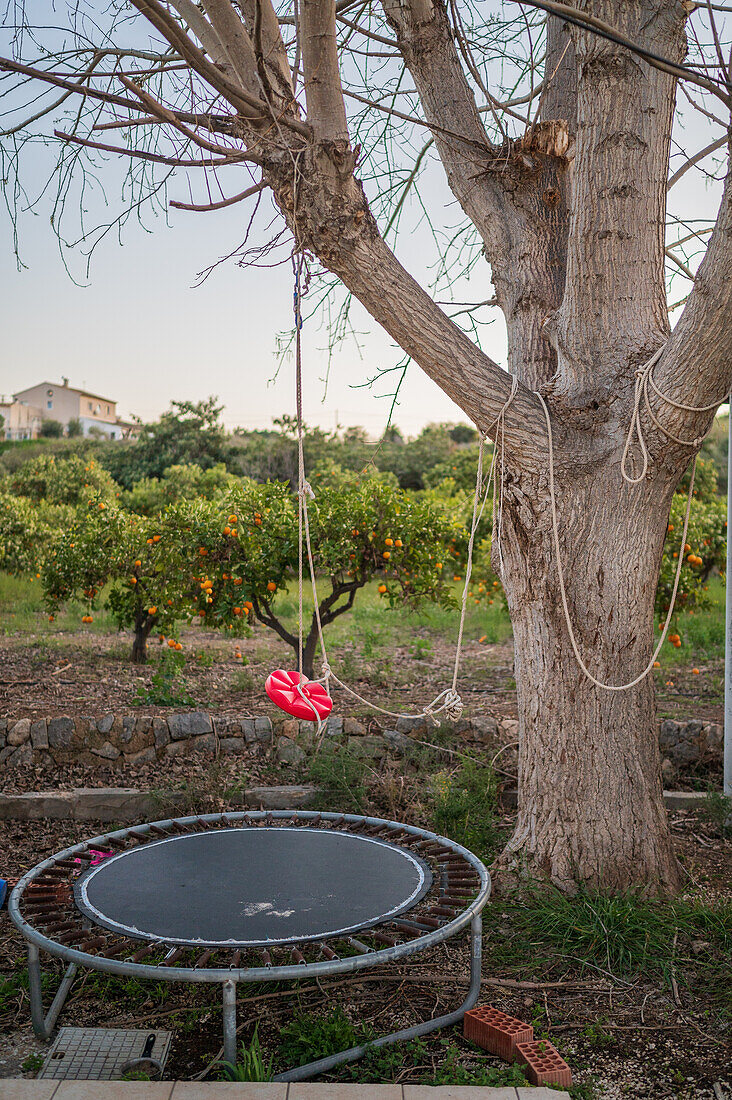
[
  {"x": 230, "y": 1021},
  {"x": 43, "y": 1023},
  {"x": 323, "y": 1065}
]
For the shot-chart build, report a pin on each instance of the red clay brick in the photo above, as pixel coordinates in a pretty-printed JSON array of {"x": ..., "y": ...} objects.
[
  {"x": 495, "y": 1031},
  {"x": 544, "y": 1063}
]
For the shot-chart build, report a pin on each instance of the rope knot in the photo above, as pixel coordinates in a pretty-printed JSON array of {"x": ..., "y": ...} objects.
[
  {"x": 306, "y": 490},
  {"x": 453, "y": 705}
]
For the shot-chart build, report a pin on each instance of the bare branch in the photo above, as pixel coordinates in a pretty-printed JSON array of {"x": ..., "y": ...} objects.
[
  {"x": 692, "y": 161},
  {"x": 156, "y": 158},
  {"x": 219, "y": 205},
  {"x": 323, "y": 91}
]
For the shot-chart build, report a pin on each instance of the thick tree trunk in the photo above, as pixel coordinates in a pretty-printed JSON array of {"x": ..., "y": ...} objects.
[
  {"x": 139, "y": 644},
  {"x": 590, "y": 799}
]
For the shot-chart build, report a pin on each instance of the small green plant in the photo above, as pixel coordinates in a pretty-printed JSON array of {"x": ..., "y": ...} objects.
[
  {"x": 136, "y": 1075},
  {"x": 32, "y": 1064},
  {"x": 382, "y": 1064},
  {"x": 308, "y": 1036},
  {"x": 453, "y": 1072},
  {"x": 465, "y": 807},
  {"x": 597, "y": 1036},
  {"x": 421, "y": 649},
  {"x": 718, "y": 810},
  {"x": 252, "y": 1064},
  {"x": 167, "y": 687},
  {"x": 340, "y": 775}
]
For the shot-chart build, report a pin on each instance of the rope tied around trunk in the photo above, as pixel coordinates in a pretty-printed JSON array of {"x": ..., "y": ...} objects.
[{"x": 641, "y": 400}]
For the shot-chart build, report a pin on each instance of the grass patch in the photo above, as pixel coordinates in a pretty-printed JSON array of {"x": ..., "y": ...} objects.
[
  {"x": 308, "y": 1037},
  {"x": 340, "y": 774},
  {"x": 464, "y": 807}
]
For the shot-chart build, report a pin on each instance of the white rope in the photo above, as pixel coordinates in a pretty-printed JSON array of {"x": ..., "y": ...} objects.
[
  {"x": 644, "y": 378},
  {"x": 447, "y": 701}
]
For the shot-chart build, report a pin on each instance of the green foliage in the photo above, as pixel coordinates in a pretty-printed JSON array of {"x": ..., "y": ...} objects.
[
  {"x": 188, "y": 482},
  {"x": 74, "y": 429},
  {"x": 51, "y": 429},
  {"x": 26, "y": 532},
  {"x": 464, "y": 810},
  {"x": 459, "y": 469},
  {"x": 188, "y": 433},
  {"x": 70, "y": 480},
  {"x": 252, "y": 1064},
  {"x": 339, "y": 774},
  {"x": 706, "y": 539},
  {"x": 718, "y": 810},
  {"x": 308, "y": 1036},
  {"x": 451, "y": 1072},
  {"x": 167, "y": 686},
  {"x": 33, "y": 1063}
]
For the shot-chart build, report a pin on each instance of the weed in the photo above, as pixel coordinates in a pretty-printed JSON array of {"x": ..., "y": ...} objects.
[
  {"x": 204, "y": 658},
  {"x": 33, "y": 1063},
  {"x": 453, "y": 1072},
  {"x": 136, "y": 1075},
  {"x": 167, "y": 686},
  {"x": 421, "y": 649},
  {"x": 308, "y": 1037},
  {"x": 252, "y": 1065},
  {"x": 718, "y": 810},
  {"x": 340, "y": 775},
  {"x": 597, "y": 1036},
  {"x": 243, "y": 680},
  {"x": 384, "y": 1064},
  {"x": 464, "y": 807}
]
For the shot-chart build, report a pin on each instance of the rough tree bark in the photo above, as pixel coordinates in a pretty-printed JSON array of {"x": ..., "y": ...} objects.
[{"x": 571, "y": 216}]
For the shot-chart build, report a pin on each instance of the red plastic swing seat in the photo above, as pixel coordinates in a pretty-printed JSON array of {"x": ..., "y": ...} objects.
[{"x": 286, "y": 690}]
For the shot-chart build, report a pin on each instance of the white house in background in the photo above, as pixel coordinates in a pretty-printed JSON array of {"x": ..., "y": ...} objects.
[{"x": 53, "y": 401}]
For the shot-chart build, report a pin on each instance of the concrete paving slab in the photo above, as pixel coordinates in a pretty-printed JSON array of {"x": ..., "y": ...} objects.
[
  {"x": 113, "y": 1090},
  {"x": 308, "y": 1090},
  {"x": 536, "y": 1092},
  {"x": 18, "y": 1089},
  {"x": 458, "y": 1092},
  {"x": 228, "y": 1090}
]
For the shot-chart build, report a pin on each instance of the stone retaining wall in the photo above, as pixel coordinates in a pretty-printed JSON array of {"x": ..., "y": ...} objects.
[{"x": 130, "y": 739}]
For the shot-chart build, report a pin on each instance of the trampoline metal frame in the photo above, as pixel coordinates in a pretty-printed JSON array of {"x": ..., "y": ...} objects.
[{"x": 230, "y": 978}]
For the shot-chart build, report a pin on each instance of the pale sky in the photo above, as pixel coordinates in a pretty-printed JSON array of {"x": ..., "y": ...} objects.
[{"x": 140, "y": 332}]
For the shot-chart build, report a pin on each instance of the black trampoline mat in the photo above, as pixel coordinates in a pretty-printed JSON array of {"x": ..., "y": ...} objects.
[{"x": 252, "y": 886}]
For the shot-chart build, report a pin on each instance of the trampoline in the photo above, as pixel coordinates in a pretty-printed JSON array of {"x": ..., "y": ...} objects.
[{"x": 251, "y": 897}]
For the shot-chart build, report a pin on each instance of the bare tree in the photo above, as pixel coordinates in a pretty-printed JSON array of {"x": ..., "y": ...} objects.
[{"x": 563, "y": 178}]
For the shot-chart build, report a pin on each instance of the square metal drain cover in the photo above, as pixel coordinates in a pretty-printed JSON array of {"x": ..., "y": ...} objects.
[{"x": 99, "y": 1053}]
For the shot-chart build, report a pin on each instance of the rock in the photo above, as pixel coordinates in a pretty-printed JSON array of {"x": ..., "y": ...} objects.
[
  {"x": 279, "y": 798},
  {"x": 139, "y": 740},
  {"x": 247, "y": 728},
  {"x": 20, "y": 732},
  {"x": 39, "y": 734},
  {"x": 411, "y": 725},
  {"x": 128, "y": 727},
  {"x": 21, "y": 755},
  {"x": 60, "y": 731},
  {"x": 398, "y": 742},
  {"x": 107, "y": 751},
  {"x": 368, "y": 748},
  {"x": 681, "y": 741},
  {"x": 263, "y": 729},
  {"x": 234, "y": 746},
  {"x": 205, "y": 742},
  {"x": 114, "y": 804},
  {"x": 684, "y": 800},
  {"x": 105, "y": 724},
  {"x": 700, "y": 946},
  {"x": 189, "y": 725},
  {"x": 289, "y": 728},
  {"x": 289, "y": 752},
  {"x": 668, "y": 770},
  {"x": 510, "y": 728},
  {"x": 6, "y": 752},
  {"x": 713, "y": 737},
  {"x": 161, "y": 733},
  {"x": 36, "y": 805},
  {"x": 143, "y": 723},
  {"x": 333, "y": 726},
  {"x": 353, "y": 728},
  {"x": 144, "y": 756},
  {"x": 485, "y": 729},
  {"x": 177, "y": 748}
]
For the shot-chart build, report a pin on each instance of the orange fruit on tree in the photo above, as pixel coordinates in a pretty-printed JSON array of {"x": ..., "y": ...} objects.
[
  {"x": 202, "y": 551},
  {"x": 133, "y": 580},
  {"x": 238, "y": 580},
  {"x": 382, "y": 589},
  {"x": 388, "y": 542},
  {"x": 695, "y": 671},
  {"x": 271, "y": 586},
  {"x": 386, "y": 555},
  {"x": 227, "y": 530},
  {"x": 152, "y": 610},
  {"x": 178, "y": 646},
  {"x": 232, "y": 518},
  {"x": 398, "y": 543},
  {"x": 171, "y": 643},
  {"x": 138, "y": 563},
  {"x": 656, "y": 664}
]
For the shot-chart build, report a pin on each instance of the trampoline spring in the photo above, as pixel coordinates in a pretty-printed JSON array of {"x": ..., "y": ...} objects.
[
  {"x": 450, "y": 899},
  {"x": 361, "y": 947},
  {"x": 70, "y": 863},
  {"x": 50, "y": 906},
  {"x": 74, "y": 933},
  {"x": 114, "y": 950},
  {"x": 297, "y": 956},
  {"x": 144, "y": 952},
  {"x": 144, "y": 838},
  {"x": 443, "y": 911},
  {"x": 158, "y": 831},
  {"x": 93, "y": 944},
  {"x": 381, "y": 937},
  {"x": 328, "y": 952},
  {"x": 59, "y": 926},
  {"x": 235, "y": 960},
  {"x": 201, "y": 961},
  {"x": 115, "y": 842},
  {"x": 422, "y": 924},
  {"x": 266, "y": 957}
]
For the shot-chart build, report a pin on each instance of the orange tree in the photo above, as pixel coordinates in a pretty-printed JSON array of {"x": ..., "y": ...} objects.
[
  {"x": 143, "y": 563},
  {"x": 26, "y": 530},
  {"x": 362, "y": 529},
  {"x": 71, "y": 480}
]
